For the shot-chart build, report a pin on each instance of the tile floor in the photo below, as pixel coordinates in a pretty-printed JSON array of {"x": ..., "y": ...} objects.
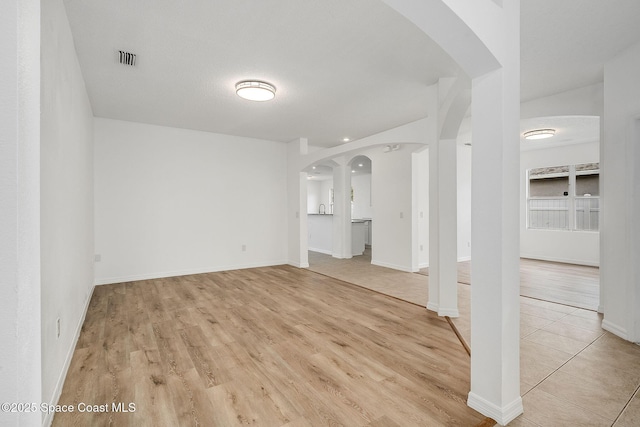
[{"x": 573, "y": 373}]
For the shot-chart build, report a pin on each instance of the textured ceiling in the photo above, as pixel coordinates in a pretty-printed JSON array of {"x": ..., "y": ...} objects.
[
  {"x": 569, "y": 130},
  {"x": 564, "y": 44},
  {"x": 341, "y": 68}
]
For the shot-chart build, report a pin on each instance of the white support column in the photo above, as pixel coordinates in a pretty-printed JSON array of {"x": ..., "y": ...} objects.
[
  {"x": 490, "y": 55},
  {"x": 341, "y": 209},
  {"x": 495, "y": 301},
  {"x": 443, "y": 272},
  {"x": 620, "y": 197},
  {"x": 297, "y": 205}
]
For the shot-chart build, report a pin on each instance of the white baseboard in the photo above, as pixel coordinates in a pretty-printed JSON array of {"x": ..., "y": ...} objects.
[
  {"x": 57, "y": 391},
  {"x": 502, "y": 415},
  {"x": 322, "y": 251},
  {"x": 163, "y": 274},
  {"x": 563, "y": 260},
  {"x": 426, "y": 264},
  {"x": 442, "y": 311},
  {"x": 451, "y": 312},
  {"x": 299, "y": 264},
  {"x": 615, "y": 329},
  {"x": 393, "y": 266}
]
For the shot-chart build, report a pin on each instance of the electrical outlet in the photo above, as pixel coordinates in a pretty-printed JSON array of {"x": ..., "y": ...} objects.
[
  {"x": 421, "y": 248},
  {"x": 97, "y": 257},
  {"x": 401, "y": 214},
  {"x": 244, "y": 248},
  {"x": 58, "y": 327}
]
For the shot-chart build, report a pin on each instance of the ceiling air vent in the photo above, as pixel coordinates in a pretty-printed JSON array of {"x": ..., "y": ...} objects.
[{"x": 127, "y": 58}]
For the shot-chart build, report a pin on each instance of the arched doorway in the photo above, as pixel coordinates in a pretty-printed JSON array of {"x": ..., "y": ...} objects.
[{"x": 361, "y": 206}]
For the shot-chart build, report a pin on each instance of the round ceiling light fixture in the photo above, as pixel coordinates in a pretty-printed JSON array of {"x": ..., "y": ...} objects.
[
  {"x": 255, "y": 90},
  {"x": 539, "y": 133}
]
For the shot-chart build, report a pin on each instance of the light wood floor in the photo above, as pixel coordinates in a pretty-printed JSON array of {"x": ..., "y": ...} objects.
[
  {"x": 572, "y": 372},
  {"x": 568, "y": 284},
  {"x": 271, "y": 346}
]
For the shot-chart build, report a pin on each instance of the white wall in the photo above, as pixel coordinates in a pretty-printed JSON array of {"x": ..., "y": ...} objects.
[
  {"x": 361, "y": 207},
  {"x": 324, "y": 196},
  {"x": 313, "y": 196},
  {"x": 319, "y": 192},
  {"x": 576, "y": 247},
  {"x": 620, "y": 166},
  {"x": 173, "y": 201},
  {"x": 391, "y": 184},
  {"x": 66, "y": 197},
  {"x": 584, "y": 101},
  {"x": 20, "y": 352}
]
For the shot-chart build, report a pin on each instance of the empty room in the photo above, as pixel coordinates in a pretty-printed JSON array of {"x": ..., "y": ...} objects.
[{"x": 304, "y": 213}]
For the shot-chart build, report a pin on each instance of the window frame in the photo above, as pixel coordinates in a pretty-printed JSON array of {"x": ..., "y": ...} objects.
[{"x": 572, "y": 199}]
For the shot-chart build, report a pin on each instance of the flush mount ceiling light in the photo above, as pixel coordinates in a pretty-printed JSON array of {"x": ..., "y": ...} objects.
[
  {"x": 539, "y": 134},
  {"x": 255, "y": 90}
]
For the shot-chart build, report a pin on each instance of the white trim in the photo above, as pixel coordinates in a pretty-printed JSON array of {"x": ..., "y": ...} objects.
[
  {"x": 57, "y": 391},
  {"x": 464, "y": 258},
  {"x": 601, "y": 308},
  {"x": 322, "y": 251},
  {"x": 451, "y": 312},
  {"x": 615, "y": 329},
  {"x": 563, "y": 260},
  {"x": 393, "y": 266},
  {"x": 503, "y": 415},
  {"x": 163, "y": 274},
  {"x": 432, "y": 306},
  {"x": 298, "y": 264},
  {"x": 423, "y": 265}
]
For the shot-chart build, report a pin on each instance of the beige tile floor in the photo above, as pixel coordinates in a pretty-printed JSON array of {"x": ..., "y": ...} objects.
[{"x": 573, "y": 373}]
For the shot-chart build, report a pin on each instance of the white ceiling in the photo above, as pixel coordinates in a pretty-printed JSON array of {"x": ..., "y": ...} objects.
[
  {"x": 569, "y": 130},
  {"x": 565, "y": 43},
  {"x": 341, "y": 68}
]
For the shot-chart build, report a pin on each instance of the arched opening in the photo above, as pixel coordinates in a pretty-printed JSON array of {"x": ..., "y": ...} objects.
[
  {"x": 339, "y": 208},
  {"x": 361, "y": 207}
]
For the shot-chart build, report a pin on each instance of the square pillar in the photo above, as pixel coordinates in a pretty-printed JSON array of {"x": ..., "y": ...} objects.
[
  {"x": 443, "y": 251},
  {"x": 342, "y": 209},
  {"x": 495, "y": 254},
  {"x": 297, "y": 205}
]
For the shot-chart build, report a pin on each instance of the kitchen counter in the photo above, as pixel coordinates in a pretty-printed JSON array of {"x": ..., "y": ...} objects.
[{"x": 320, "y": 233}]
